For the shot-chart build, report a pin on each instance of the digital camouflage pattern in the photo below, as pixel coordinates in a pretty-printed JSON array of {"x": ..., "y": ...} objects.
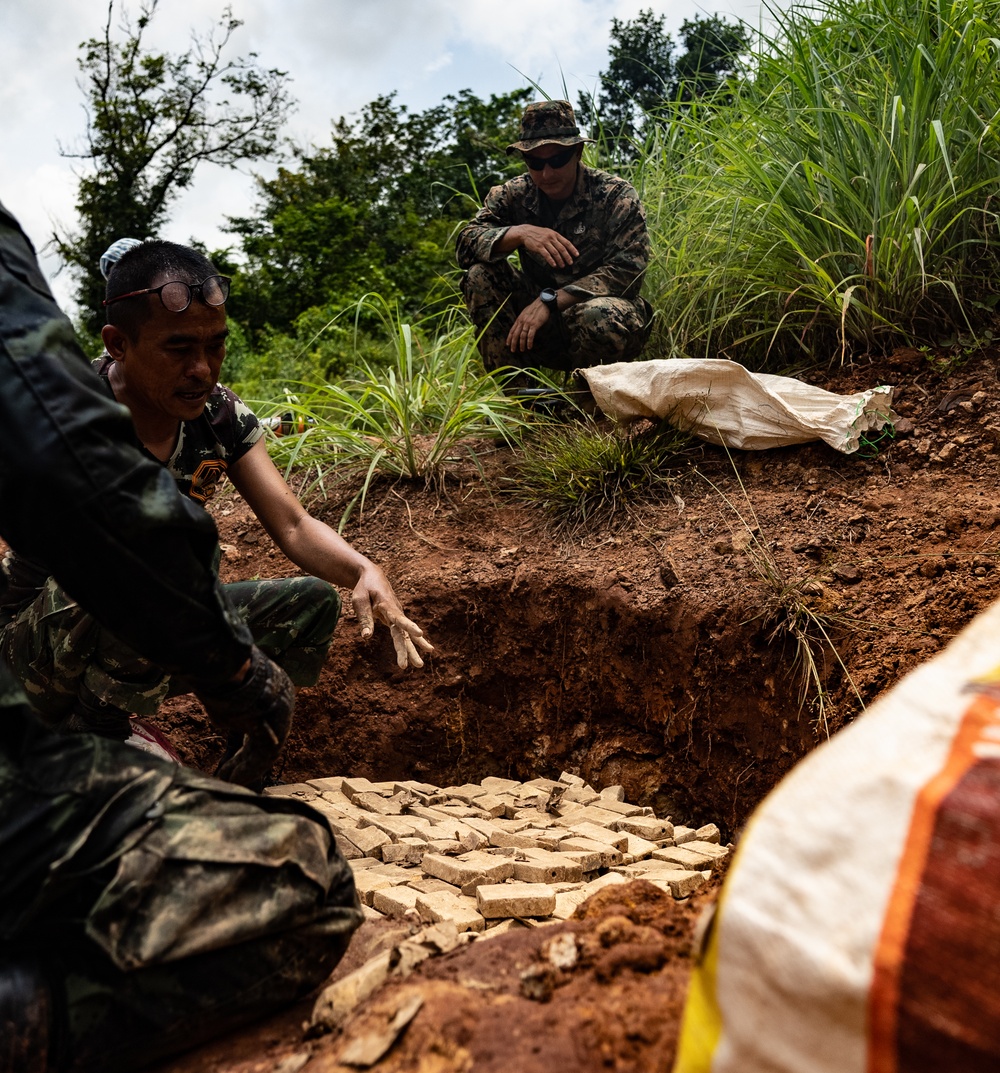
[
  {"x": 605, "y": 221},
  {"x": 158, "y": 906},
  {"x": 55, "y": 647},
  {"x": 547, "y": 123}
]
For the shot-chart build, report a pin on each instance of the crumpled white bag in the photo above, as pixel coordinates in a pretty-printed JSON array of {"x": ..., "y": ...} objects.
[{"x": 726, "y": 404}]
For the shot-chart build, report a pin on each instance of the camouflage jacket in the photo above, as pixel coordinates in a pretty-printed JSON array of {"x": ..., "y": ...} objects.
[
  {"x": 604, "y": 220},
  {"x": 77, "y": 496}
]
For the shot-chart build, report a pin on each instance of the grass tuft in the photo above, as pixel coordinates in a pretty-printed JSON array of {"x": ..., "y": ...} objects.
[{"x": 582, "y": 475}]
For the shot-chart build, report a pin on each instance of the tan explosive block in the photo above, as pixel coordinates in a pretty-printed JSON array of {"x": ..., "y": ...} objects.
[
  {"x": 545, "y": 785},
  {"x": 567, "y": 903},
  {"x": 513, "y": 840},
  {"x": 544, "y": 867},
  {"x": 595, "y": 814},
  {"x": 509, "y": 824},
  {"x": 497, "y": 928},
  {"x": 494, "y": 785},
  {"x": 648, "y": 827},
  {"x": 405, "y": 852},
  {"x": 601, "y": 834},
  {"x": 347, "y": 849},
  {"x": 332, "y": 784},
  {"x": 426, "y": 789},
  {"x": 395, "y": 901},
  {"x": 466, "y": 793},
  {"x": 613, "y": 793},
  {"x": 469, "y": 866},
  {"x": 444, "y": 906},
  {"x": 303, "y": 791},
  {"x": 549, "y": 839},
  {"x": 684, "y": 834},
  {"x": 430, "y": 885},
  {"x": 352, "y": 787},
  {"x": 581, "y": 795},
  {"x": 636, "y": 850},
  {"x": 572, "y": 780},
  {"x": 681, "y": 884},
  {"x": 376, "y": 803},
  {"x": 365, "y": 862},
  {"x": 491, "y": 804},
  {"x": 368, "y": 881},
  {"x": 369, "y": 840},
  {"x": 709, "y": 833},
  {"x": 619, "y": 808},
  {"x": 709, "y": 849},
  {"x": 590, "y": 853},
  {"x": 396, "y": 827},
  {"x": 684, "y": 857},
  {"x": 515, "y": 900},
  {"x": 336, "y": 1001}
]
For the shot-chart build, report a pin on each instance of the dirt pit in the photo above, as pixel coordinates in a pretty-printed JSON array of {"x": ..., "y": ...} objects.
[{"x": 658, "y": 657}]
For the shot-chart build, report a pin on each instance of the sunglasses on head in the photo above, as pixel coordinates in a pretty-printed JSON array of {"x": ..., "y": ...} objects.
[
  {"x": 557, "y": 160},
  {"x": 176, "y": 296}
]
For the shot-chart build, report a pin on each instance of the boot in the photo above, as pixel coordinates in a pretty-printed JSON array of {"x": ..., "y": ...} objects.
[{"x": 91, "y": 715}]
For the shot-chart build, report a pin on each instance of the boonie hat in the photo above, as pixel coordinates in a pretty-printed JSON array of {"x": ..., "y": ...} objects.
[{"x": 547, "y": 123}]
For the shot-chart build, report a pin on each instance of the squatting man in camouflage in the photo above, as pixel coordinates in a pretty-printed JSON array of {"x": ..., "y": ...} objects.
[
  {"x": 143, "y": 907},
  {"x": 165, "y": 343},
  {"x": 583, "y": 247}
]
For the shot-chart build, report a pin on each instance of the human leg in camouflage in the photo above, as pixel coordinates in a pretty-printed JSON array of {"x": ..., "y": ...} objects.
[
  {"x": 594, "y": 332},
  {"x": 159, "y": 906},
  {"x": 70, "y": 665}
]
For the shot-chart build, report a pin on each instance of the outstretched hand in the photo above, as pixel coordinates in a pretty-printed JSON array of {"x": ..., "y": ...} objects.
[{"x": 373, "y": 598}]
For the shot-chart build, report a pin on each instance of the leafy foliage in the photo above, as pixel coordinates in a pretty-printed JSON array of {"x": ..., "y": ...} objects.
[
  {"x": 643, "y": 77},
  {"x": 152, "y": 119},
  {"x": 375, "y": 211}
]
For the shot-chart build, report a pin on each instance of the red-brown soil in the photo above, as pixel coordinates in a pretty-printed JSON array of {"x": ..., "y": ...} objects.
[{"x": 651, "y": 656}]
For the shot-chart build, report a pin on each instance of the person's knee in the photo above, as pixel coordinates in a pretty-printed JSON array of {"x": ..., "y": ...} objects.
[{"x": 324, "y": 606}]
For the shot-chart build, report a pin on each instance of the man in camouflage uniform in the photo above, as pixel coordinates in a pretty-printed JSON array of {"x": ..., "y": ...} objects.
[
  {"x": 143, "y": 907},
  {"x": 163, "y": 362},
  {"x": 583, "y": 247}
]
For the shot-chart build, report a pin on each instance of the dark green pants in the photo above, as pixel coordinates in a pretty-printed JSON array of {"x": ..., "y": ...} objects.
[
  {"x": 162, "y": 905},
  {"x": 54, "y": 647}
]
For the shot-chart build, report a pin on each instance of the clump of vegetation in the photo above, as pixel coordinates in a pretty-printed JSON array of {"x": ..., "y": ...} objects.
[
  {"x": 407, "y": 419},
  {"x": 843, "y": 199},
  {"x": 584, "y": 475}
]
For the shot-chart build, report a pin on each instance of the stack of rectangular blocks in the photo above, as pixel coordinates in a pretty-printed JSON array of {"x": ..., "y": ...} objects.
[{"x": 501, "y": 853}]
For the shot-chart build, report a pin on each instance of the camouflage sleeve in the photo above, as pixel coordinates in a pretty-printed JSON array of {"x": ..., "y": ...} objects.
[
  {"x": 246, "y": 427},
  {"x": 477, "y": 240},
  {"x": 76, "y": 496},
  {"x": 627, "y": 251}
]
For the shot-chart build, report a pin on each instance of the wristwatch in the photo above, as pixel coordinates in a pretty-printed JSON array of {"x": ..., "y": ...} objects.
[{"x": 550, "y": 299}]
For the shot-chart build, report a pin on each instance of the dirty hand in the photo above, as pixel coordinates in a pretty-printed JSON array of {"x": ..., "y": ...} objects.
[
  {"x": 373, "y": 598},
  {"x": 260, "y": 705},
  {"x": 555, "y": 250},
  {"x": 522, "y": 334}
]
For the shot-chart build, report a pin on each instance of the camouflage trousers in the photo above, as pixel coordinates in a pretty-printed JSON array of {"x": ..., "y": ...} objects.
[
  {"x": 54, "y": 647},
  {"x": 157, "y": 907},
  {"x": 594, "y": 332}
]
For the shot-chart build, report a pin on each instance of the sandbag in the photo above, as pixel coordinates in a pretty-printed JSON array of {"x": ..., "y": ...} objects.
[
  {"x": 722, "y": 402},
  {"x": 859, "y": 928}
]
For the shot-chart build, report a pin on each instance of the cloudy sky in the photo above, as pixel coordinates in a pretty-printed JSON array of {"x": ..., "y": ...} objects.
[{"x": 340, "y": 54}]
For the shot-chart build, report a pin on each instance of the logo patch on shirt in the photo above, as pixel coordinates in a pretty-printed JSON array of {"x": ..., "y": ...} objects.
[
  {"x": 205, "y": 479},
  {"x": 579, "y": 229}
]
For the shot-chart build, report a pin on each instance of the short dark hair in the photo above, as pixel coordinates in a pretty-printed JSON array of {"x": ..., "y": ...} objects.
[{"x": 138, "y": 267}]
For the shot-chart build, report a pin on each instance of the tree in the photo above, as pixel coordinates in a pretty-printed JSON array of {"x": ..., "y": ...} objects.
[
  {"x": 375, "y": 210},
  {"x": 152, "y": 118},
  {"x": 643, "y": 75}
]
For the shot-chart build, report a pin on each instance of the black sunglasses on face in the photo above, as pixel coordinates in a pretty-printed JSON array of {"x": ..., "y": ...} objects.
[
  {"x": 558, "y": 160},
  {"x": 176, "y": 296}
]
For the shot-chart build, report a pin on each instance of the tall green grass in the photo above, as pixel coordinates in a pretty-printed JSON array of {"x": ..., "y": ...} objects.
[
  {"x": 843, "y": 199},
  {"x": 408, "y": 419}
]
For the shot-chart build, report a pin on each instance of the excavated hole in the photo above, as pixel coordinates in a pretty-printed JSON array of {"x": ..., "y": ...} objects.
[{"x": 691, "y": 708}]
